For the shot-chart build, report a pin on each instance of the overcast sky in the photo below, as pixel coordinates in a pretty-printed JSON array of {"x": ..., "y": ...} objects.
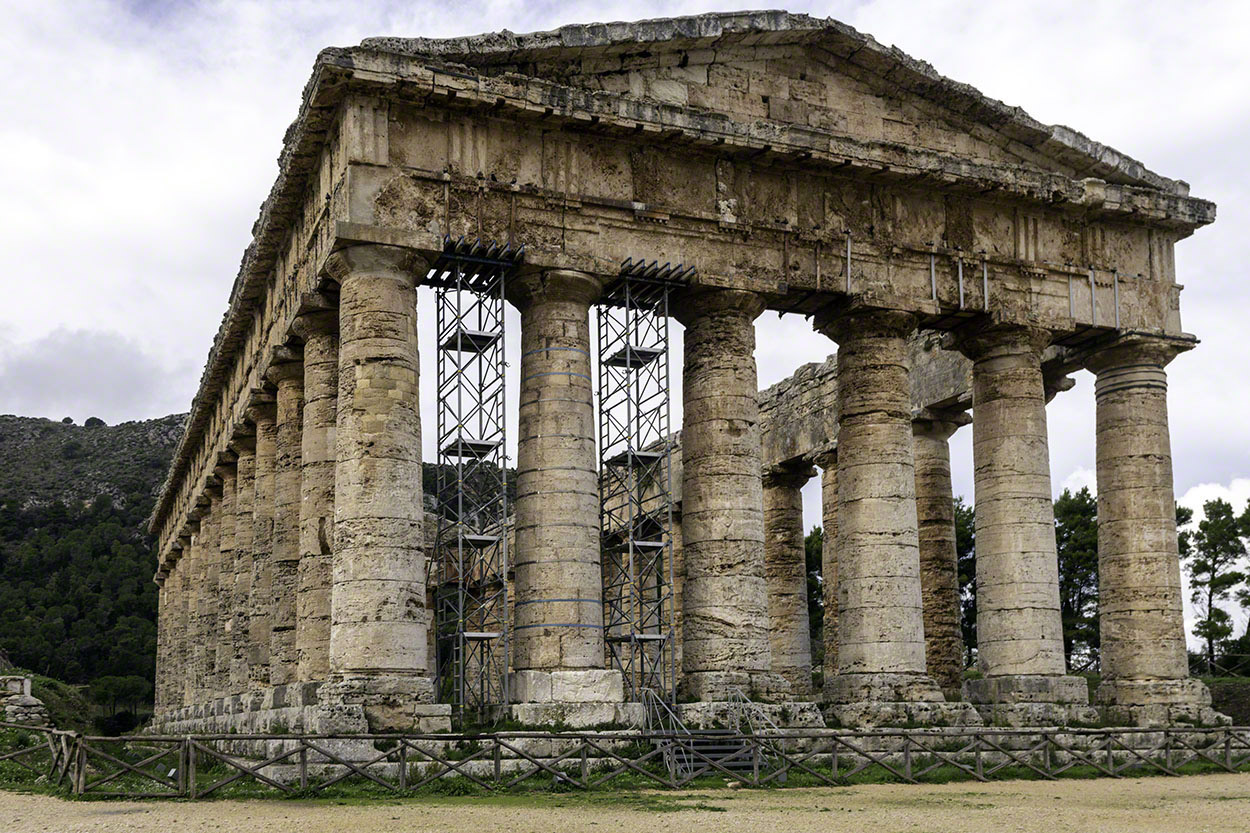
[{"x": 139, "y": 139}]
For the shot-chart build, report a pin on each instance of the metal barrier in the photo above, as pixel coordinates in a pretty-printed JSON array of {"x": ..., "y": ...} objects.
[{"x": 200, "y": 766}]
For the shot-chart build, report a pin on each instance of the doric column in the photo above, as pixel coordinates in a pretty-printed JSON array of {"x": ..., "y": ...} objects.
[
  {"x": 1019, "y": 630},
  {"x": 160, "y": 697},
  {"x": 1145, "y": 670},
  {"x": 320, "y": 331},
  {"x": 288, "y": 377},
  {"x": 260, "y": 607},
  {"x": 180, "y": 650},
  {"x": 881, "y": 649},
  {"x": 223, "y": 638},
  {"x": 244, "y": 447},
  {"x": 559, "y": 580},
  {"x": 210, "y": 553},
  {"x": 785, "y": 567},
  {"x": 379, "y": 618},
  {"x": 725, "y": 597},
  {"x": 939, "y": 563},
  {"x": 828, "y": 462}
]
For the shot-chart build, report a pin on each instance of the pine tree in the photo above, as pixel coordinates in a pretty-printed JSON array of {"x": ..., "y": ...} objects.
[
  {"x": 1076, "y": 538},
  {"x": 1216, "y": 552}
]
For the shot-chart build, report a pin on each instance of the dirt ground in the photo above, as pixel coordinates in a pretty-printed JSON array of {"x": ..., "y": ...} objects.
[{"x": 1194, "y": 804}]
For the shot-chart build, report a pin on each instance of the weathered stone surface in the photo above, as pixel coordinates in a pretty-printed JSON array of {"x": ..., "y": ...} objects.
[
  {"x": 939, "y": 567},
  {"x": 804, "y": 178},
  {"x": 1144, "y": 661},
  {"x": 785, "y": 566},
  {"x": 1019, "y": 631},
  {"x": 828, "y": 462},
  {"x": 260, "y": 621},
  {"x": 724, "y": 601},
  {"x": 559, "y": 595},
  {"x": 288, "y": 377},
  {"x": 316, "y": 509},
  {"x": 379, "y": 618}
]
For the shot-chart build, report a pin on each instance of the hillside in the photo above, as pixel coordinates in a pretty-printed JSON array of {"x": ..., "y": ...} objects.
[{"x": 76, "y": 594}]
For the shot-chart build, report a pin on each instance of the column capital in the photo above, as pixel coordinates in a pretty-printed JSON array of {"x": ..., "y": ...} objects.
[
  {"x": 261, "y": 408},
  {"x": 703, "y": 301},
  {"x": 987, "y": 339},
  {"x": 397, "y": 262},
  {"x": 827, "y": 457},
  {"x": 308, "y": 325},
  {"x": 787, "y": 476},
  {"x": 938, "y": 425},
  {"x": 853, "y": 319},
  {"x": 1136, "y": 349},
  {"x": 534, "y": 287},
  {"x": 285, "y": 372}
]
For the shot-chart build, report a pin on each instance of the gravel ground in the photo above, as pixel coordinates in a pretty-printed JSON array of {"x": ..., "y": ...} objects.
[{"x": 1193, "y": 804}]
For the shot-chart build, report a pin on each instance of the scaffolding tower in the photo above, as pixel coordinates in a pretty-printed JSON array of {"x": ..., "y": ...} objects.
[
  {"x": 470, "y": 571},
  {"x": 635, "y": 476}
]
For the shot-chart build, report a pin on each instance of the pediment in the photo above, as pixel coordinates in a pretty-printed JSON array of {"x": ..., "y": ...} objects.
[{"x": 791, "y": 69}]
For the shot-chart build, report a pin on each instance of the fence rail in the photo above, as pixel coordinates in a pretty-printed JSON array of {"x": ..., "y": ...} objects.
[{"x": 199, "y": 766}]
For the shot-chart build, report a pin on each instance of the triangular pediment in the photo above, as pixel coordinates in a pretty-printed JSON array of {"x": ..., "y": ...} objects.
[{"x": 792, "y": 69}]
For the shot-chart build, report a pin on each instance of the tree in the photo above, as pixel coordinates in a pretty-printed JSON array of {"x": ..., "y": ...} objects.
[
  {"x": 813, "y": 546},
  {"x": 1076, "y": 538},
  {"x": 1216, "y": 549},
  {"x": 966, "y": 555}
]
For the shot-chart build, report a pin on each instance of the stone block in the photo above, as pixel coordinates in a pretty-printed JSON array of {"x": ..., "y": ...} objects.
[{"x": 590, "y": 686}]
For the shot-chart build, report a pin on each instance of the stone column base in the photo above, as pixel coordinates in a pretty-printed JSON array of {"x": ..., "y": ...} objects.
[
  {"x": 1158, "y": 703},
  {"x": 1032, "y": 700},
  {"x": 717, "y": 686},
  {"x": 572, "y": 699},
  {"x": 867, "y": 701},
  {"x": 382, "y": 703},
  {"x": 730, "y": 714}
]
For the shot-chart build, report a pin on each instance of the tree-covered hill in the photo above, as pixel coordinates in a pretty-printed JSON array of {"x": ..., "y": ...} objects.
[{"x": 76, "y": 595}]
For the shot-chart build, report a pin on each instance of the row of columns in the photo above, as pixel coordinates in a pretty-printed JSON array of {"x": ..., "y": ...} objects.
[{"x": 305, "y": 561}]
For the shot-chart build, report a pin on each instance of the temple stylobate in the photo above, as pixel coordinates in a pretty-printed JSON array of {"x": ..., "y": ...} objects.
[{"x": 603, "y": 181}]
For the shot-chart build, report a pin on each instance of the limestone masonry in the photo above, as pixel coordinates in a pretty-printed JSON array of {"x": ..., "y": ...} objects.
[{"x": 963, "y": 257}]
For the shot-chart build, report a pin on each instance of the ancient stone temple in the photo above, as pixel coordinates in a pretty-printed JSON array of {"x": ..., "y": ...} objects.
[{"x": 961, "y": 257}]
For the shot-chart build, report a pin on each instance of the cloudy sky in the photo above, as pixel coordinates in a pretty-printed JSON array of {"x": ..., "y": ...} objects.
[{"x": 140, "y": 137}]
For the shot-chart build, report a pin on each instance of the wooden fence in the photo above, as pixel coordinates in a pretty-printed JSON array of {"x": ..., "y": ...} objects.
[{"x": 199, "y": 766}]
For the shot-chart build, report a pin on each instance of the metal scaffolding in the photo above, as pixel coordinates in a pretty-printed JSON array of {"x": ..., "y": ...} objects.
[
  {"x": 470, "y": 570},
  {"x": 635, "y": 476}
]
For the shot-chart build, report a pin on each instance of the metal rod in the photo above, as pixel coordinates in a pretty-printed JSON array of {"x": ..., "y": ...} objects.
[
  {"x": 1093, "y": 301},
  {"x": 933, "y": 275},
  {"x": 985, "y": 283},
  {"x": 848, "y": 261},
  {"x": 959, "y": 263},
  {"x": 1115, "y": 289}
]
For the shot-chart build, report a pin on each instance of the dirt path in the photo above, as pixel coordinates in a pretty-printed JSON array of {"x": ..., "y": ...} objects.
[{"x": 1195, "y": 804}]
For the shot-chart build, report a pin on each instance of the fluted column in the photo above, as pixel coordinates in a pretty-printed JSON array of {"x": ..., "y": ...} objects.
[
  {"x": 725, "y": 597},
  {"x": 559, "y": 579},
  {"x": 244, "y": 447},
  {"x": 260, "y": 621},
  {"x": 288, "y": 377},
  {"x": 939, "y": 562},
  {"x": 1019, "y": 629},
  {"x": 828, "y": 463},
  {"x": 785, "y": 567},
  {"x": 320, "y": 331},
  {"x": 206, "y": 663},
  {"x": 1145, "y": 669},
  {"x": 881, "y": 649},
  {"x": 223, "y": 636},
  {"x": 379, "y": 618}
]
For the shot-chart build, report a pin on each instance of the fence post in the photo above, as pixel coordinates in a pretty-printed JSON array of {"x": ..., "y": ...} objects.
[
  {"x": 192, "y": 792},
  {"x": 403, "y": 765},
  {"x": 80, "y": 777},
  {"x": 907, "y": 756},
  {"x": 1228, "y": 749},
  {"x": 498, "y": 760},
  {"x": 303, "y": 764},
  {"x": 585, "y": 766}
]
